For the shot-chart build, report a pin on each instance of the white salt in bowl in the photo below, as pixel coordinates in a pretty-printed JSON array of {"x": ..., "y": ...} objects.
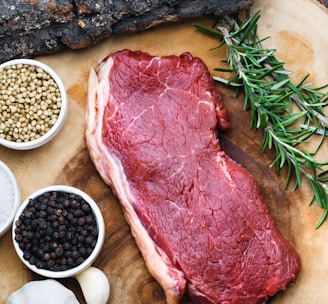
[
  {"x": 9, "y": 198},
  {"x": 88, "y": 260},
  {"x": 19, "y": 128}
]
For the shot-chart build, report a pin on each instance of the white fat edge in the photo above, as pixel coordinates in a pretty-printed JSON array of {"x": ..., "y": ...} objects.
[
  {"x": 111, "y": 171},
  {"x": 156, "y": 259},
  {"x": 90, "y": 115},
  {"x": 98, "y": 86}
]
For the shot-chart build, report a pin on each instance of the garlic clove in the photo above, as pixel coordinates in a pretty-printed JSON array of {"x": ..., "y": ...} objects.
[
  {"x": 45, "y": 291},
  {"x": 95, "y": 285}
]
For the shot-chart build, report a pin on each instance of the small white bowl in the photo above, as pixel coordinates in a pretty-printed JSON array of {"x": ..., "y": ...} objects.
[
  {"x": 96, "y": 251},
  {"x": 10, "y": 198},
  {"x": 61, "y": 117}
]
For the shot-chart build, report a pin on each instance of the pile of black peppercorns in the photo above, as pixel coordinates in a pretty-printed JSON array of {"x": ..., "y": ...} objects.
[{"x": 56, "y": 231}]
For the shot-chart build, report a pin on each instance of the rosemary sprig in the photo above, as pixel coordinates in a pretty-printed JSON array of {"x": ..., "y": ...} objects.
[{"x": 289, "y": 114}]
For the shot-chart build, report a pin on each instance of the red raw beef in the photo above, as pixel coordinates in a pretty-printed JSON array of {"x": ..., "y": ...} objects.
[{"x": 196, "y": 215}]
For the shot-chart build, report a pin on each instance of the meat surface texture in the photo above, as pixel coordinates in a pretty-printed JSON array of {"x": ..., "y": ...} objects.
[{"x": 196, "y": 215}]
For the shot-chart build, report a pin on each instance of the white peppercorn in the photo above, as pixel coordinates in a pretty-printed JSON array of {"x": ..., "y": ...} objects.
[{"x": 30, "y": 102}]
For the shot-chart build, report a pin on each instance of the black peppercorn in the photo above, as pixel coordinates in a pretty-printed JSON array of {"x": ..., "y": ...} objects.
[
  {"x": 56, "y": 231},
  {"x": 81, "y": 221},
  {"x": 46, "y": 256},
  {"x": 59, "y": 251},
  {"x": 42, "y": 214}
]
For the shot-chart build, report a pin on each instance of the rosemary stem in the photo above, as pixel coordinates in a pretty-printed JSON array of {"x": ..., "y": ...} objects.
[
  {"x": 228, "y": 41},
  {"x": 322, "y": 119},
  {"x": 302, "y": 103}
]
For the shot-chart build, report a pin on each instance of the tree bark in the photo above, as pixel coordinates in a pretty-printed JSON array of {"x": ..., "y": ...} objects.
[{"x": 37, "y": 27}]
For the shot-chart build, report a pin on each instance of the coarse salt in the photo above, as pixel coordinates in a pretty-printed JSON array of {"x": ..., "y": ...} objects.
[{"x": 9, "y": 199}]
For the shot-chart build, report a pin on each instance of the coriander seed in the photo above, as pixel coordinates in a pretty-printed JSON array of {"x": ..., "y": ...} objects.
[{"x": 27, "y": 93}]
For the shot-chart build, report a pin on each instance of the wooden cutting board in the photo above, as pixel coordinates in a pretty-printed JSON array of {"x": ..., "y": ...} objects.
[{"x": 299, "y": 33}]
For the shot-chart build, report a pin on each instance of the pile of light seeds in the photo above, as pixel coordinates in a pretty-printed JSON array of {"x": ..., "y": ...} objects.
[{"x": 30, "y": 102}]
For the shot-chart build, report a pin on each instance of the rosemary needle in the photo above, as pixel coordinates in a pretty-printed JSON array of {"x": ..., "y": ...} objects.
[{"x": 289, "y": 114}]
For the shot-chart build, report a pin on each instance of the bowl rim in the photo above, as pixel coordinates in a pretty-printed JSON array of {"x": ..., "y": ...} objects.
[
  {"x": 5, "y": 226},
  {"x": 96, "y": 251},
  {"x": 62, "y": 114}
]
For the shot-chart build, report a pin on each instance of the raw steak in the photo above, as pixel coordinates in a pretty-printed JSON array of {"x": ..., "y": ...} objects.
[{"x": 196, "y": 215}]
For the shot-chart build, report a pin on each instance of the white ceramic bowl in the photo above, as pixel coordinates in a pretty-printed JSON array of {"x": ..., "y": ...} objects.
[
  {"x": 100, "y": 240},
  {"x": 9, "y": 199},
  {"x": 62, "y": 115}
]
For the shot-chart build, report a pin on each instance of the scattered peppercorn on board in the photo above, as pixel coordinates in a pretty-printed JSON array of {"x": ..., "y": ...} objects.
[{"x": 299, "y": 34}]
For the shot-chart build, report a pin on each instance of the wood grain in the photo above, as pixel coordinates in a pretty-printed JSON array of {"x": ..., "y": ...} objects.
[{"x": 65, "y": 159}]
